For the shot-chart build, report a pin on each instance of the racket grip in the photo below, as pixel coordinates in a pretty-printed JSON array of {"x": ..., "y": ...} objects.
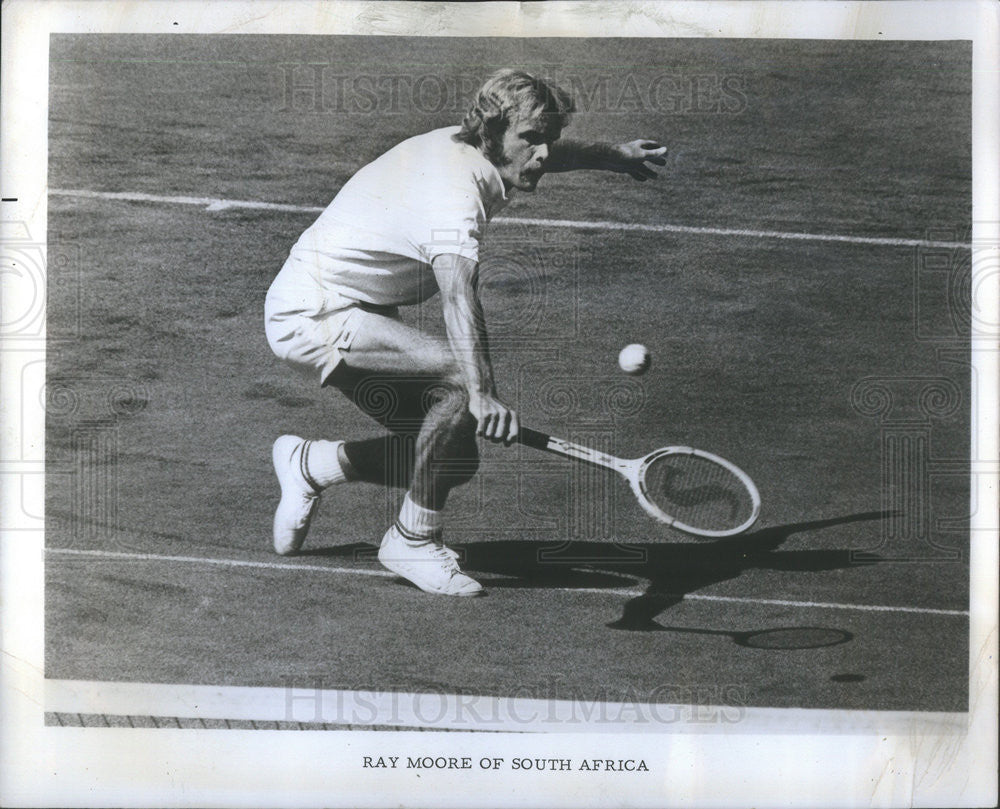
[{"x": 533, "y": 438}]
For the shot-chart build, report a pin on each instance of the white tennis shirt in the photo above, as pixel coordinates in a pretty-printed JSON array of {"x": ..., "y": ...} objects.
[{"x": 427, "y": 196}]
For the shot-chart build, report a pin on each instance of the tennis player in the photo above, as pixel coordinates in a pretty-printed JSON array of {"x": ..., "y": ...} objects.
[{"x": 406, "y": 227}]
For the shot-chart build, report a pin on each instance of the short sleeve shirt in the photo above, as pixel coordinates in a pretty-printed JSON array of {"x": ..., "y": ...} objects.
[{"x": 425, "y": 197}]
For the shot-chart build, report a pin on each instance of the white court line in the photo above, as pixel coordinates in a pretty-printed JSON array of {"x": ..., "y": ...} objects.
[
  {"x": 152, "y": 557},
  {"x": 825, "y": 605},
  {"x": 752, "y": 234},
  {"x": 205, "y": 560},
  {"x": 216, "y": 204}
]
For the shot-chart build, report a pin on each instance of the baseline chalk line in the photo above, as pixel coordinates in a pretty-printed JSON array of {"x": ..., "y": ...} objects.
[
  {"x": 218, "y": 204},
  {"x": 618, "y": 591}
]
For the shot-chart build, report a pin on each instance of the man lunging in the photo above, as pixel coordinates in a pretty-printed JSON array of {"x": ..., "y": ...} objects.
[{"x": 405, "y": 227}]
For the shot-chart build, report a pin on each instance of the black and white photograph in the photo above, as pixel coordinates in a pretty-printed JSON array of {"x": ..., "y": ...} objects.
[{"x": 504, "y": 404}]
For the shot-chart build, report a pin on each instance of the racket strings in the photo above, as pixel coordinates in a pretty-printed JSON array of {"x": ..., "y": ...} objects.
[{"x": 698, "y": 492}]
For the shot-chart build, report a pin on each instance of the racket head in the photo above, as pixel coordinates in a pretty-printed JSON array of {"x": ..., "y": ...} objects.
[
  {"x": 696, "y": 492},
  {"x": 794, "y": 637}
]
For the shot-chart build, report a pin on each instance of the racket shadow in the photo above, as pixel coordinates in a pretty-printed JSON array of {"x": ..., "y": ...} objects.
[
  {"x": 693, "y": 567},
  {"x": 784, "y": 638},
  {"x": 670, "y": 571}
]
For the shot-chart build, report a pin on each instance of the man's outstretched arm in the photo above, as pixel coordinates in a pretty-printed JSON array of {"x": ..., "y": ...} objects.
[{"x": 625, "y": 158}]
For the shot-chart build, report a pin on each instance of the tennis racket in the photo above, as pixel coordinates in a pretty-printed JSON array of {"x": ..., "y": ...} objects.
[{"x": 688, "y": 489}]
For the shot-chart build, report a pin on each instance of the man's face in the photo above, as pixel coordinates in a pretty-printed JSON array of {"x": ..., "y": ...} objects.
[{"x": 526, "y": 145}]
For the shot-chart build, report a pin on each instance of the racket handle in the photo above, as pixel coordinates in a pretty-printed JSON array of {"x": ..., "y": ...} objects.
[
  {"x": 534, "y": 439},
  {"x": 568, "y": 449}
]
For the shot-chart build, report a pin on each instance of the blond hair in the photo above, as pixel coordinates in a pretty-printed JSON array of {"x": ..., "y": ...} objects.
[{"x": 504, "y": 96}]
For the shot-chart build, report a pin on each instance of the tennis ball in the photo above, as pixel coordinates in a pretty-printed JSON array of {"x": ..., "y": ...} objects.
[{"x": 634, "y": 359}]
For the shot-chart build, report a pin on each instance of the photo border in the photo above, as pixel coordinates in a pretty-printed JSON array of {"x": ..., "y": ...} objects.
[{"x": 912, "y": 762}]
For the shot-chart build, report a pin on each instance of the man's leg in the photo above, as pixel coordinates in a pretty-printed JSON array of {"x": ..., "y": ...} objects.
[
  {"x": 408, "y": 381},
  {"x": 432, "y": 448}
]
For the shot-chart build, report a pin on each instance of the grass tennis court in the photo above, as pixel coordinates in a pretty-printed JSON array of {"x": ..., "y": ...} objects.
[{"x": 833, "y": 370}]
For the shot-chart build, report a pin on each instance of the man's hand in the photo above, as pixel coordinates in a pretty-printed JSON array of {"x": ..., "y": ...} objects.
[
  {"x": 625, "y": 158},
  {"x": 631, "y": 158},
  {"x": 497, "y": 422}
]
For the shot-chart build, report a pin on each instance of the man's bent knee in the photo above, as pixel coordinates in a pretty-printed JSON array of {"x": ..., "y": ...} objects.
[
  {"x": 449, "y": 396},
  {"x": 449, "y": 411}
]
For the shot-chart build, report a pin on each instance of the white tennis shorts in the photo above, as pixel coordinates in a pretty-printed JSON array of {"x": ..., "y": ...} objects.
[{"x": 314, "y": 344}]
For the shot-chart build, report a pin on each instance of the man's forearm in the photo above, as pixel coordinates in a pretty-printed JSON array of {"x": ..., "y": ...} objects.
[
  {"x": 466, "y": 328},
  {"x": 467, "y": 336},
  {"x": 571, "y": 155},
  {"x": 633, "y": 158}
]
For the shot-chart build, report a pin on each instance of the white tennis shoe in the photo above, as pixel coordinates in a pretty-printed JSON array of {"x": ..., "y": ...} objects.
[
  {"x": 299, "y": 498},
  {"x": 428, "y": 564}
]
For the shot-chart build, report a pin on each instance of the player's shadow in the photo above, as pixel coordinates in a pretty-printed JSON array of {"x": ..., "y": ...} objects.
[{"x": 671, "y": 570}]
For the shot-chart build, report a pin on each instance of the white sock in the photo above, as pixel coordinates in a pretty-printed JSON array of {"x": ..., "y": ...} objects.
[
  {"x": 416, "y": 523},
  {"x": 321, "y": 464}
]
